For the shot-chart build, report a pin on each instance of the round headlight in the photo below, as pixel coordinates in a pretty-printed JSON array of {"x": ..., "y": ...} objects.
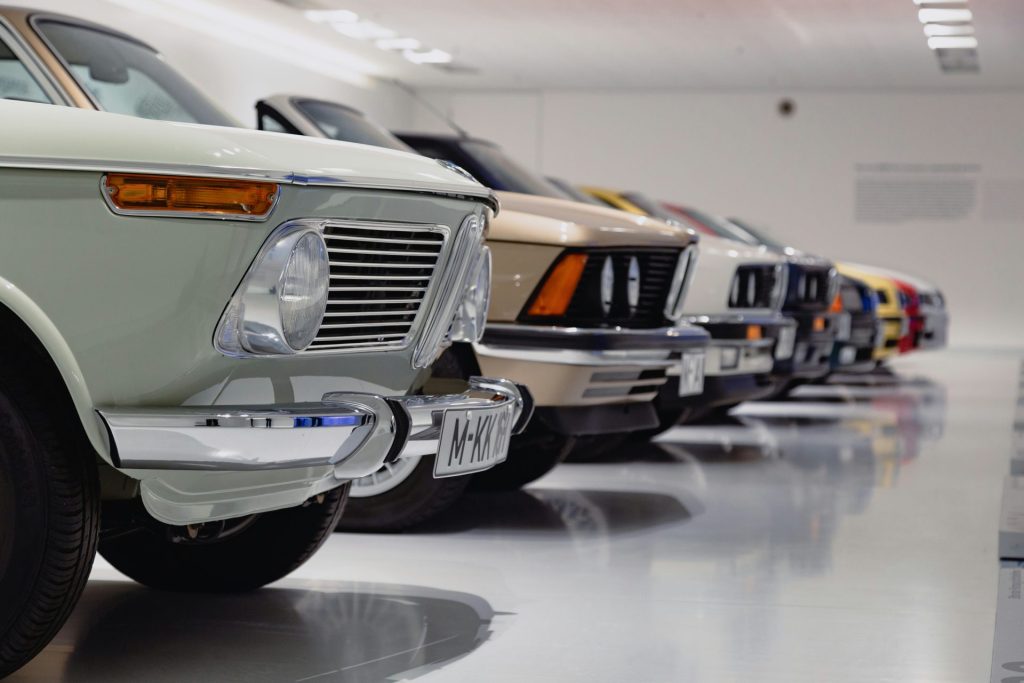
[
  {"x": 633, "y": 284},
  {"x": 607, "y": 284},
  {"x": 302, "y": 295}
]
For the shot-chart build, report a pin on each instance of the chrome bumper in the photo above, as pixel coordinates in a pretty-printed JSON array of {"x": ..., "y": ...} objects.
[
  {"x": 353, "y": 433},
  {"x": 424, "y": 414},
  {"x": 590, "y": 346}
]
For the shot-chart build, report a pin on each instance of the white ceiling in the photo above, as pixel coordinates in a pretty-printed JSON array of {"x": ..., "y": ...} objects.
[{"x": 763, "y": 44}]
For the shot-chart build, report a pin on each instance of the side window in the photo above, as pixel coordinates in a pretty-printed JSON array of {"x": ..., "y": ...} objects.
[
  {"x": 268, "y": 122},
  {"x": 268, "y": 119},
  {"x": 16, "y": 83}
]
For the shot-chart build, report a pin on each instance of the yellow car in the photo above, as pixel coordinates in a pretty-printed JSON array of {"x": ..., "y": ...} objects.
[{"x": 890, "y": 309}]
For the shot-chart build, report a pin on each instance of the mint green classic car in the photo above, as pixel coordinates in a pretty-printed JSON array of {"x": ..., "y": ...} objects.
[{"x": 209, "y": 332}]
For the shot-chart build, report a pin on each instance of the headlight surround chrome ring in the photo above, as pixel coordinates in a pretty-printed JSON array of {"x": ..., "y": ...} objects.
[{"x": 254, "y": 321}]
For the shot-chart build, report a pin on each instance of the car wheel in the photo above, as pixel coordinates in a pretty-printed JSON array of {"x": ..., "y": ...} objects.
[
  {"x": 49, "y": 523},
  {"x": 229, "y": 556},
  {"x": 400, "y": 495},
  {"x": 531, "y": 455}
]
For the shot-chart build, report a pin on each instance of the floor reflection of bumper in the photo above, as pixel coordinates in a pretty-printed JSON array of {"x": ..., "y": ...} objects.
[
  {"x": 586, "y": 367},
  {"x": 353, "y": 433}
]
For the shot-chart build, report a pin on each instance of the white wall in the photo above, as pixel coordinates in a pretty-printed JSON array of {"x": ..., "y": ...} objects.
[
  {"x": 236, "y": 69},
  {"x": 731, "y": 153}
]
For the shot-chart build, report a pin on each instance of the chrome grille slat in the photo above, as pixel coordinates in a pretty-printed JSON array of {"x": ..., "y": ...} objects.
[
  {"x": 371, "y": 264},
  {"x": 381, "y": 274},
  {"x": 336, "y": 326},
  {"x": 377, "y": 289},
  {"x": 382, "y": 252},
  {"x": 367, "y": 314},
  {"x": 380, "y": 277},
  {"x": 385, "y": 240},
  {"x": 351, "y": 337}
]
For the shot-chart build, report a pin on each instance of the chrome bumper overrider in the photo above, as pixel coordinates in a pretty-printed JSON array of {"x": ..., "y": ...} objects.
[{"x": 354, "y": 433}]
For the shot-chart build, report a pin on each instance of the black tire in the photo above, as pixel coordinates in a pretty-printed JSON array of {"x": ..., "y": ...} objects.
[
  {"x": 531, "y": 455},
  {"x": 49, "y": 519},
  {"x": 418, "y": 498},
  {"x": 245, "y": 555}
]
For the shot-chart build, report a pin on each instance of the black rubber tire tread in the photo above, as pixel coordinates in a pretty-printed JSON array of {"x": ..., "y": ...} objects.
[
  {"x": 531, "y": 455},
  {"x": 273, "y": 546},
  {"x": 417, "y": 499},
  {"x": 43, "y": 453}
]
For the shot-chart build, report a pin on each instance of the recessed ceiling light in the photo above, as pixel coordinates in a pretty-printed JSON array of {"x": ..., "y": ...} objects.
[
  {"x": 331, "y": 16},
  {"x": 363, "y": 30},
  {"x": 940, "y": 2},
  {"x": 427, "y": 56},
  {"x": 948, "y": 30},
  {"x": 952, "y": 42},
  {"x": 931, "y": 15},
  {"x": 398, "y": 44}
]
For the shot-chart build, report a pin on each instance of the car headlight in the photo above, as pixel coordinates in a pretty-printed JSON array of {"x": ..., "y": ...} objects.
[
  {"x": 280, "y": 305},
  {"x": 607, "y": 285},
  {"x": 471, "y": 318},
  {"x": 302, "y": 296}
]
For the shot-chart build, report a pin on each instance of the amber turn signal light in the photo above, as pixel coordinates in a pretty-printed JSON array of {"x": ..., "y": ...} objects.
[
  {"x": 819, "y": 324},
  {"x": 560, "y": 285},
  {"x": 183, "y": 195},
  {"x": 754, "y": 333},
  {"x": 837, "y": 305}
]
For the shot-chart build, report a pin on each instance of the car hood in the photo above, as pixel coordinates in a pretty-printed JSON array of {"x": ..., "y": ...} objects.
[
  {"x": 738, "y": 252},
  {"x": 543, "y": 220},
  {"x": 48, "y": 136},
  {"x": 915, "y": 282}
]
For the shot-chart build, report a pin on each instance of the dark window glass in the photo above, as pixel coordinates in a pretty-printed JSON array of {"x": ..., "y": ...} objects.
[
  {"x": 342, "y": 123},
  {"x": 762, "y": 236},
  {"x": 653, "y": 207},
  {"x": 495, "y": 169},
  {"x": 723, "y": 228},
  {"x": 576, "y": 193},
  {"x": 16, "y": 83},
  {"x": 126, "y": 77}
]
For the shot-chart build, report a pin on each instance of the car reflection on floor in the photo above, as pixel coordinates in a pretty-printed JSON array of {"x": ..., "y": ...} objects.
[{"x": 328, "y": 632}]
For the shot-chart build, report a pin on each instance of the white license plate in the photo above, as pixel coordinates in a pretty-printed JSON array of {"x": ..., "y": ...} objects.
[
  {"x": 691, "y": 374},
  {"x": 473, "y": 440},
  {"x": 784, "y": 345},
  {"x": 847, "y": 355}
]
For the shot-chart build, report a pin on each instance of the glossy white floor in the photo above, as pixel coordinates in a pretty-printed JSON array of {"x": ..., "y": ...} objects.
[{"x": 849, "y": 535}]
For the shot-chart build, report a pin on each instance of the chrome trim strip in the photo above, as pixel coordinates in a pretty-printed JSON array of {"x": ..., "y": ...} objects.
[
  {"x": 681, "y": 279},
  {"x": 247, "y": 438},
  {"x": 237, "y": 173},
  {"x": 653, "y": 359},
  {"x": 254, "y": 218}
]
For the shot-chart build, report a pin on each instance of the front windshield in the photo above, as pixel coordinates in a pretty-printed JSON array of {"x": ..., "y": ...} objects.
[
  {"x": 759, "y": 234},
  {"x": 342, "y": 123},
  {"x": 724, "y": 228},
  {"x": 653, "y": 208},
  {"x": 496, "y": 169},
  {"x": 575, "y": 193},
  {"x": 125, "y": 77}
]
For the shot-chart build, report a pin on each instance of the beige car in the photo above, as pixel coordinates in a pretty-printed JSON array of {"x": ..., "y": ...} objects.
[{"x": 584, "y": 309}]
